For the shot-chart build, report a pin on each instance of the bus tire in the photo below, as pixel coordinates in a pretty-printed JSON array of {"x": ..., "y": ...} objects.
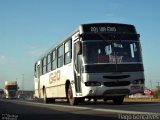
[
  {"x": 72, "y": 100},
  {"x": 105, "y": 99},
  {"x": 95, "y": 99},
  {"x": 118, "y": 100},
  {"x": 81, "y": 100},
  {"x": 51, "y": 100}
]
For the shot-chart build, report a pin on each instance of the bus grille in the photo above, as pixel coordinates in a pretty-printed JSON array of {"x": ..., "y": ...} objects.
[
  {"x": 116, "y": 92},
  {"x": 117, "y": 83}
]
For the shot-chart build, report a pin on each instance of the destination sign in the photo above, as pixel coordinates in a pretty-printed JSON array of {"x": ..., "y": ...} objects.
[
  {"x": 102, "y": 29},
  {"x": 108, "y": 27}
]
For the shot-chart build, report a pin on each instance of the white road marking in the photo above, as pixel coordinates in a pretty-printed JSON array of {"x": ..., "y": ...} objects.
[{"x": 51, "y": 106}]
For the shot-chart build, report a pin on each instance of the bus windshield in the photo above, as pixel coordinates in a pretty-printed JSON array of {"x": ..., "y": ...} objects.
[
  {"x": 111, "y": 52},
  {"x": 12, "y": 87}
]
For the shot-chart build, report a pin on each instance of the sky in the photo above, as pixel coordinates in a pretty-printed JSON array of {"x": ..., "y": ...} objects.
[{"x": 30, "y": 27}]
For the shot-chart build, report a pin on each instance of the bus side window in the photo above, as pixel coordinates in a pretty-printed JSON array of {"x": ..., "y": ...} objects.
[
  {"x": 48, "y": 63},
  {"x": 44, "y": 65},
  {"x": 41, "y": 67},
  {"x": 35, "y": 70},
  {"x": 54, "y": 65},
  {"x": 68, "y": 50},
  {"x": 60, "y": 56}
]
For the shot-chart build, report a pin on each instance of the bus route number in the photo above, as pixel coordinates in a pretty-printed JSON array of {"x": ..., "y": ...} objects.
[
  {"x": 103, "y": 29},
  {"x": 54, "y": 76}
]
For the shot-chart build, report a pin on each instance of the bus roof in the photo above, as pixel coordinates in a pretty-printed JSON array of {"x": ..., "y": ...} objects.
[{"x": 93, "y": 27}]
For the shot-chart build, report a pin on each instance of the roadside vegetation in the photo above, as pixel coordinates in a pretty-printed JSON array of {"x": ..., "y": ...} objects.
[{"x": 157, "y": 93}]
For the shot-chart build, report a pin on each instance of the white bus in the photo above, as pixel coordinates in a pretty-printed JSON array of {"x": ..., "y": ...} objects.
[{"x": 96, "y": 61}]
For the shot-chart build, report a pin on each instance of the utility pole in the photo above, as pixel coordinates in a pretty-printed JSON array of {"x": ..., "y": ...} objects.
[
  {"x": 22, "y": 82},
  {"x": 151, "y": 84}
]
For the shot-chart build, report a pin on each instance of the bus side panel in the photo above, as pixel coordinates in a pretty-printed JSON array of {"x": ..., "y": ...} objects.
[{"x": 54, "y": 81}]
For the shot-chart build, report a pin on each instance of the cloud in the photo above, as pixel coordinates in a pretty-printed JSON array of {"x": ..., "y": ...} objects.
[
  {"x": 34, "y": 51},
  {"x": 112, "y": 7},
  {"x": 2, "y": 59},
  {"x": 115, "y": 19},
  {"x": 112, "y": 13},
  {"x": 30, "y": 47},
  {"x": 109, "y": 15}
]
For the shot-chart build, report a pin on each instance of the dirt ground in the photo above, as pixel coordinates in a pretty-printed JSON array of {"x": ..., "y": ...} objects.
[{"x": 142, "y": 99}]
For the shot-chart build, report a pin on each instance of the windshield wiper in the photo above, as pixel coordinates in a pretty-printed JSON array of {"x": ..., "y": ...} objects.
[
  {"x": 103, "y": 37},
  {"x": 114, "y": 51}
]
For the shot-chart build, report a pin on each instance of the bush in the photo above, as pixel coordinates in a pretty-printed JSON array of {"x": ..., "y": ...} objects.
[{"x": 157, "y": 93}]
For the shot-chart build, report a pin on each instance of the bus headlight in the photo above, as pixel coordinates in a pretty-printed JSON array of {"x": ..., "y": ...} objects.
[
  {"x": 92, "y": 83},
  {"x": 138, "y": 81}
]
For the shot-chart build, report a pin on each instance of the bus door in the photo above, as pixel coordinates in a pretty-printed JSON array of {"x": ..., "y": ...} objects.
[{"x": 77, "y": 67}]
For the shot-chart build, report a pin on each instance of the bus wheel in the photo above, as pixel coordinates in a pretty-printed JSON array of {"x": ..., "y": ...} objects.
[
  {"x": 81, "y": 100},
  {"x": 72, "y": 100},
  {"x": 95, "y": 99},
  {"x": 51, "y": 100},
  {"x": 118, "y": 100},
  {"x": 105, "y": 99}
]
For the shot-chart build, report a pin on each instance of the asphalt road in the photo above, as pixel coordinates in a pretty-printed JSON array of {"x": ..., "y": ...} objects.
[{"x": 23, "y": 110}]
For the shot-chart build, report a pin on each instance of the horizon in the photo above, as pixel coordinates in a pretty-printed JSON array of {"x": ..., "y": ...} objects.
[{"x": 30, "y": 28}]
